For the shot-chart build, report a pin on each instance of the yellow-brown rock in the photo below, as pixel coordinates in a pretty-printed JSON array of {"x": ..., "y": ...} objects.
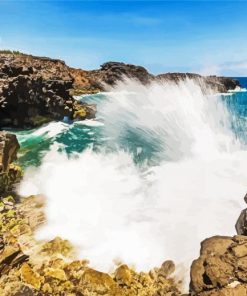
[
  {"x": 221, "y": 268},
  {"x": 56, "y": 273},
  {"x": 30, "y": 277},
  {"x": 123, "y": 275},
  {"x": 57, "y": 246}
]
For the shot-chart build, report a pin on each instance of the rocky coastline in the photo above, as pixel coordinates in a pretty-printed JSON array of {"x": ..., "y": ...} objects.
[
  {"x": 34, "y": 91},
  {"x": 45, "y": 268},
  {"x": 37, "y": 268}
]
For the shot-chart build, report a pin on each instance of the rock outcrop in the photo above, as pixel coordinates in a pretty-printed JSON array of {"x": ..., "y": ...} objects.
[
  {"x": 221, "y": 268},
  {"x": 112, "y": 72},
  {"x": 31, "y": 267},
  {"x": 108, "y": 75},
  {"x": 215, "y": 83},
  {"x": 35, "y": 90},
  {"x": 9, "y": 172}
]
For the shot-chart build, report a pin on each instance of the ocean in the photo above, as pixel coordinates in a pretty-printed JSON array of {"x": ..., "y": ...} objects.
[{"x": 161, "y": 168}]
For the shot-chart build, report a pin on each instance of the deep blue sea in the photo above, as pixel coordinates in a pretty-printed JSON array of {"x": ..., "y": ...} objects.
[{"x": 242, "y": 80}]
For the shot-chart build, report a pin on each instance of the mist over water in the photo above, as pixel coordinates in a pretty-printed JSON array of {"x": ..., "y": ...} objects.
[{"x": 162, "y": 168}]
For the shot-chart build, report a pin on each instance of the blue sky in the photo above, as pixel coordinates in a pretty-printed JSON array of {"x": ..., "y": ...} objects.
[{"x": 196, "y": 36}]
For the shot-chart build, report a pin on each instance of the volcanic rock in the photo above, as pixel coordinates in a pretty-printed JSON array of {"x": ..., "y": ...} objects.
[
  {"x": 34, "y": 90},
  {"x": 214, "y": 83},
  {"x": 112, "y": 72}
]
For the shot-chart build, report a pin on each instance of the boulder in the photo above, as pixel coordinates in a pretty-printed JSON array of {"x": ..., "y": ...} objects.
[
  {"x": 221, "y": 268},
  {"x": 9, "y": 172},
  {"x": 241, "y": 224}
]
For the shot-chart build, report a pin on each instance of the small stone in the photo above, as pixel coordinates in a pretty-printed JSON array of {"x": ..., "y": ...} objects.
[
  {"x": 123, "y": 275},
  {"x": 168, "y": 267},
  {"x": 56, "y": 273},
  {"x": 29, "y": 276}
]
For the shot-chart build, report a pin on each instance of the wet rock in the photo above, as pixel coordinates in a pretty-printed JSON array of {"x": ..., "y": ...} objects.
[
  {"x": 214, "y": 83},
  {"x": 83, "y": 111}
]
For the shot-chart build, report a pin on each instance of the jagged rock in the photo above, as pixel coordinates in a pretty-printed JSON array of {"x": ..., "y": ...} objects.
[
  {"x": 98, "y": 283},
  {"x": 57, "y": 245},
  {"x": 112, "y": 72},
  {"x": 56, "y": 273},
  {"x": 28, "y": 267},
  {"x": 8, "y": 150},
  {"x": 30, "y": 277},
  {"x": 34, "y": 90},
  {"x": 83, "y": 111},
  {"x": 9, "y": 172},
  {"x": 221, "y": 268},
  {"x": 215, "y": 83},
  {"x": 241, "y": 224}
]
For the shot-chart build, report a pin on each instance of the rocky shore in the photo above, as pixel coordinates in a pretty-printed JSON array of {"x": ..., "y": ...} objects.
[
  {"x": 46, "y": 268},
  {"x": 38, "y": 268},
  {"x": 111, "y": 72},
  {"x": 36, "y": 90}
]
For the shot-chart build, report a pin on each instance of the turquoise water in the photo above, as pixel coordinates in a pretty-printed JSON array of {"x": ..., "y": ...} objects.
[
  {"x": 237, "y": 105},
  {"x": 184, "y": 166},
  {"x": 144, "y": 146}
]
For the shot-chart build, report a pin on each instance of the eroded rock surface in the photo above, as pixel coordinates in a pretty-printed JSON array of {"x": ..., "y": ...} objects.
[
  {"x": 112, "y": 72},
  {"x": 34, "y": 91},
  {"x": 9, "y": 172},
  {"x": 30, "y": 267},
  {"x": 221, "y": 268},
  {"x": 215, "y": 83},
  {"x": 35, "y": 268}
]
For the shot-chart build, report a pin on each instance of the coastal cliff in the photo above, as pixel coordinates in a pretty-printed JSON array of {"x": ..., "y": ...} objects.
[
  {"x": 36, "y": 90},
  {"x": 112, "y": 72}
]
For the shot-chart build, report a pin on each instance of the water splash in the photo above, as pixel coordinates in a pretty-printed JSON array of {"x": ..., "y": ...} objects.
[{"x": 189, "y": 186}]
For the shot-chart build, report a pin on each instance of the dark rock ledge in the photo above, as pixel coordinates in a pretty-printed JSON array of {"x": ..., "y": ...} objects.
[
  {"x": 110, "y": 73},
  {"x": 36, "y": 90}
]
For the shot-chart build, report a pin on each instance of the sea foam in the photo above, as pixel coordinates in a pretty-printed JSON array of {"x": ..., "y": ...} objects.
[{"x": 143, "y": 214}]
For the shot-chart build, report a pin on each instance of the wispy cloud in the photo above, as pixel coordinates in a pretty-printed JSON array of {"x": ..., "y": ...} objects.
[
  {"x": 239, "y": 67},
  {"x": 233, "y": 68}
]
